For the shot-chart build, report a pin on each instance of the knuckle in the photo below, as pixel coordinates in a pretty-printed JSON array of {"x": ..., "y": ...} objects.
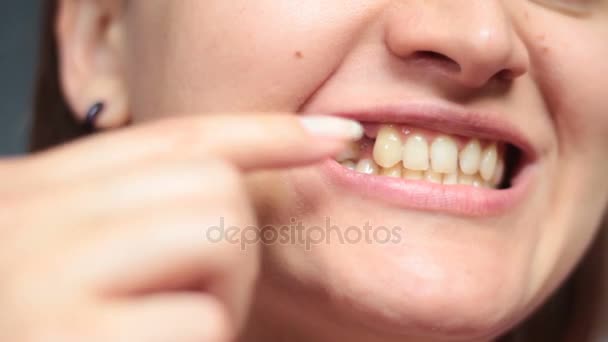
[
  {"x": 188, "y": 181},
  {"x": 224, "y": 170},
  {"x": 217, "y": 184},
  {"x": 227, "y": 178}
]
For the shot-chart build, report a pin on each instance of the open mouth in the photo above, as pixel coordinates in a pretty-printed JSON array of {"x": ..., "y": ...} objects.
[
  {"x": 437, "y": 158},
  {"x": 401, "y": 151}
]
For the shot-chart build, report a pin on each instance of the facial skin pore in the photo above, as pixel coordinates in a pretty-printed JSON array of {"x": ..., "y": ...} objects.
[{"x": 538, "y": 67}]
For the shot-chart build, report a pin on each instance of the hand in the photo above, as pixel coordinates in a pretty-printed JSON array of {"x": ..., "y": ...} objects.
[{"x": 104, "y": 239}]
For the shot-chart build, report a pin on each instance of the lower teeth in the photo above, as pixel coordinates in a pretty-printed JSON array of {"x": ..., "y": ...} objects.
[{"x": 370, "y": 167}]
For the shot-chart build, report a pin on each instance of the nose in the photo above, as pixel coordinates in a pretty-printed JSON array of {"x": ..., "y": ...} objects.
[{"x": 470, "y": 41}]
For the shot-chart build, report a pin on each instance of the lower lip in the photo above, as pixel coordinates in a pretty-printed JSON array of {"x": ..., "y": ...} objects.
[{"x": 421, "y": 195}]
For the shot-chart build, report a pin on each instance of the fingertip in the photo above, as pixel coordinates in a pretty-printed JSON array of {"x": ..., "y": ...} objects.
[{"x": 332, "y": 127}]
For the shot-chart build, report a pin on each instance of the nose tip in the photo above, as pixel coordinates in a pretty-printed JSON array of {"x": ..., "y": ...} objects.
[{"x": 472, "y": 48}]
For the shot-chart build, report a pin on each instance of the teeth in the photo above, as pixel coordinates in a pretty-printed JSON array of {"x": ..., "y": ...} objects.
[
  {"x": 416, "y": 153},
  {"x": 388, "y": 147},
  {"x": 478, "y": 182},
  {"x": 466, "y": 179},
  {"x": 450, "y": 179},
  {"x": 349, "y": 164},
  {"x": 352, "y": 152},
  {"x": 413, "y": 175},
  {"x": 470, "y": 158},
  {"x": 413, "y": 158},
  {"x": 444, "y": 155},
  {"x": 489, "y": 158},
  {"x": 367, "y": 166},
  {"x": 433, "y": 177},
  {"x": 499, "y": 173},
  {"x": 394, "y": 171}
]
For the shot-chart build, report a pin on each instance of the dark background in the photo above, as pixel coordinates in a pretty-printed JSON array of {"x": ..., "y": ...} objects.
[{"x": 19, "y": 30}]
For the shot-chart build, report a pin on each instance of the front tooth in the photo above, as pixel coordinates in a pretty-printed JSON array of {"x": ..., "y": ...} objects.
[
  {"x": 416, "y": 153},
  {"x": 367, "y": 166},
  {"x": 489, "y": 158},
  {"x": 444, "y": 155},
  {"x": 349, "y": 164},
  {"x": 412, "y": 174},
  {"x": 450, "y": 179},
  {"x": 394, "y": 171},
  {"x": 433, "y": 177},
  {"x": 470, "y": 158},
  {"x": 388, "y": 147},
  {"x": 352, "y": 152}
]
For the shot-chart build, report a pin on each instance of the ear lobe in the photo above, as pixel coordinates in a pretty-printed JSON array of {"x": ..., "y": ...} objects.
[{"x": 90, "y": 43}]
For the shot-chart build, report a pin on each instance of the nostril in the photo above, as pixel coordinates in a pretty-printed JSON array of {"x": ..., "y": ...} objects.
[
  {"x": 430, "y": 55},
  {"x": 506, "y": 75},
  {"x": 437, "y": 58}
]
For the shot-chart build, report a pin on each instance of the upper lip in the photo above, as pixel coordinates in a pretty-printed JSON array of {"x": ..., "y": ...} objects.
[{"x": 449, "y": 119}]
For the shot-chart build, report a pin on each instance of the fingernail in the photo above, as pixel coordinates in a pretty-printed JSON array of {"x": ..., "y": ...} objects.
[{"x": 332, "y": 127}]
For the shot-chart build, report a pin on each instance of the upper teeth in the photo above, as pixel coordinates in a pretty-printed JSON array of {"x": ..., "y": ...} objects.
[
  {"x": 416, "y": 153},
  {"x": 489, "y": 159},
  {"x": 413, "y": 156},
  {"x": 470, "y": 158},
  {"x": 444, "y": 155},
  {"x": 388, "y": 147}
]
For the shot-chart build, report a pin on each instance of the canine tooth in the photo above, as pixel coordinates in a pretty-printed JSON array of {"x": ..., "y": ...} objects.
[
  {"x": 444, "y": 155},
  {"x": 450, "y": 179},
  {"x": 433, "y": 177},
  {"x": 416, "y": 153},
  {"x": 349, "y": 164},
  {"x": 352, "y": 152},
  {"x": 367, "y": 166},
  {"x": 499, "y": 173},
  {"x": 394, "y": 171},
  {"x": 388, "y": 147},
  {"x": 465, "y": 179},
  {"x": 470, "y": 158},
  {"x": 489, "y": 157},
  {"x": 412, "y": 174}
]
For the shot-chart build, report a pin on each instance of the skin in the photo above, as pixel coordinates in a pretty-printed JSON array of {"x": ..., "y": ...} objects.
[{"x": 173, "y": 67}]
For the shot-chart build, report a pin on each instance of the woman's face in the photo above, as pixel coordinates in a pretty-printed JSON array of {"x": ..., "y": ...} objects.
[{"x": 461, "y": 260}]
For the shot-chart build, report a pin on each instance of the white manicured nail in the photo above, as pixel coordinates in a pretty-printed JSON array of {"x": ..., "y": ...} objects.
[{"x": 332, "y": 127}]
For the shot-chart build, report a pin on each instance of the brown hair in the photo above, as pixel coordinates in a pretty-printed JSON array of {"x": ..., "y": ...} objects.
[{"x": 570, "y": 314}]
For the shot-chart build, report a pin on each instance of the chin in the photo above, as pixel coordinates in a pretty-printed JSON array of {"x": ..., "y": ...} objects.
[
  {"x": 450, "y": 275},
  {"x": 465, "y": 192},
  {"x": 435, "y": 289}
]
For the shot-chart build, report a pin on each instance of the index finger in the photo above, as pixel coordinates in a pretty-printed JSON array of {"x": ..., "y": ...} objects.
[{"x": 248, "y": 140}]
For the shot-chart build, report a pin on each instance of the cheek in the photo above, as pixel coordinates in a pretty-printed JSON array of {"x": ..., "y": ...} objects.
[
  {"x": 571, "y": 68},
  {"x": 209, "y": 56},
  {"x": 581, "y": 108},
  {"x": 574, "y": 81}
]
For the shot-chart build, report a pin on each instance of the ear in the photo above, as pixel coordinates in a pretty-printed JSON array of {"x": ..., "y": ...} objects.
[{"x": 90, "y": 41}]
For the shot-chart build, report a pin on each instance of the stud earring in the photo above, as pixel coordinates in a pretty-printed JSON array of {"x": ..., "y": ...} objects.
[{"x": 92, "y": 116}]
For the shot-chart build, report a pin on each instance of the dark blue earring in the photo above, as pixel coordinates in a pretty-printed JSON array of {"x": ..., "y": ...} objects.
[{"x": 93, "y": 113}]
